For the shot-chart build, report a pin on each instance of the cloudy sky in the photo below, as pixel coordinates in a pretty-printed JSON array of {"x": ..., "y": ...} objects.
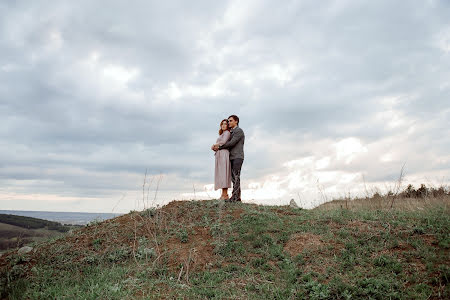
[{"x": 333, "y": 96}]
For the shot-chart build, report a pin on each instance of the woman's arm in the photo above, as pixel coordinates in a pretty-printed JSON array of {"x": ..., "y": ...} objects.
[
  {"x": 224, "y": 138},
  {"x": 237, "y": 136}
]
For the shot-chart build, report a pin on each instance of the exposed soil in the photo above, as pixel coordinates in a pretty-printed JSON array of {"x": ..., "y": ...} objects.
[
  {"x": 286, "y": 212},
  {"x": 195, "y": 254},
  {"x": 235, "y": 213},
  {"x": 301, "y": 241},
  {"x": 429, "y": 239}
]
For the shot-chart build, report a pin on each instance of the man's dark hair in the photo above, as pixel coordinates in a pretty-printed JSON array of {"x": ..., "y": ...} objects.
[{"x": 236, "y": 118}]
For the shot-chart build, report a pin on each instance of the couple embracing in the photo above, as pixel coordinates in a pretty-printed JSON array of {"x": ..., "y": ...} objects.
[{"x": 229, "y": 156}]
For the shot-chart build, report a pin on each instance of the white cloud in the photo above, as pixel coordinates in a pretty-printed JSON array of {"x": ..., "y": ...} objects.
[
  {"x": 347, "y": 149},
  {"x": 442, "y": 40}
]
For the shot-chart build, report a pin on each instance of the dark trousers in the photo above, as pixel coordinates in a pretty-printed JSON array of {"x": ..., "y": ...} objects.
[{"x": 236, "y": 165}]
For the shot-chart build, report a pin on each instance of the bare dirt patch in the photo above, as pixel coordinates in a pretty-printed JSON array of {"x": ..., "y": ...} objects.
[
  {"x": 235, "y": 213},
  {"x": 301, "y": 241},
  {"x": 429, "y": 239},
  {"x": 195, "y": 254},
  {"x": 396, "y": 251},
  {"x": 286, "y": 212}
]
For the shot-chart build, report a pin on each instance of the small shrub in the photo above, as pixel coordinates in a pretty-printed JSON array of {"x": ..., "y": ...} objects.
[
  {"x": 118, "y": 255},
  {"x": 299, "y": 259},
  {"x": 258, "y": 262},
  {"x": 91, "y": 259},
  {"x": 388, "y": 263},
  {"x": 183, "y": 236},
  {"x": 97, "y": 243}
]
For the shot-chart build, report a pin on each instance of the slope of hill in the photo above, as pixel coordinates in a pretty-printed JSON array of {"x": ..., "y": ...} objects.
[{"x": 209, "y": 249}]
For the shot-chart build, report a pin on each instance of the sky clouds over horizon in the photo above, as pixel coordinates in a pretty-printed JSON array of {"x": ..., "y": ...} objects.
[{"x": 93, "y": 94}]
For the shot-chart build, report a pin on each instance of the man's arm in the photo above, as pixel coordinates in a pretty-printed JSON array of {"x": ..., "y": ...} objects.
[{"x": 237, "y": 135}]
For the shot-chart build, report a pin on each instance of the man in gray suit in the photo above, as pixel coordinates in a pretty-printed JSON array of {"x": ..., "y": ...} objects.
[{"x": 236, "y": 147}]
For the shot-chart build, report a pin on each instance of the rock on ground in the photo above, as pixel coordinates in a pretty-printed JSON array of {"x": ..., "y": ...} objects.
[
  {"x": 24, "y": 250},
  {"x": 293, "y": 204}
]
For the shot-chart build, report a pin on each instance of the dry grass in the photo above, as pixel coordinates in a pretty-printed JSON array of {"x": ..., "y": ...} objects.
[
  {"x": 396, "y": 198},
  {"x": 384, "y": 203}
]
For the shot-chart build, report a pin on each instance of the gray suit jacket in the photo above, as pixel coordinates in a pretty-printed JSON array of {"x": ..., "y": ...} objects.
[{"x": 235, "y": 144}]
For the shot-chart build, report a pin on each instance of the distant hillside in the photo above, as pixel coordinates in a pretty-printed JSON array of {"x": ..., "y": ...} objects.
[
  {"x": 211, "y": 249},
  {"x": 17, "y": 231},
  {"x": 31, "y": 223},
  {"x": 63, "y": 217}
]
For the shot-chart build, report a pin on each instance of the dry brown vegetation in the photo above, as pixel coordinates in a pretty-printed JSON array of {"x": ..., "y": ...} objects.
[{"x": 409, "y": 199}]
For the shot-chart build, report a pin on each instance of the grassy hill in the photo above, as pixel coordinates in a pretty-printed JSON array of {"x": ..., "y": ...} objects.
[{"x": 209, "y": 249}]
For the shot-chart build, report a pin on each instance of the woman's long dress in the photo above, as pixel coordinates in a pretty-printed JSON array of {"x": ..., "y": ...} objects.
[{"x": 222, "y": 173}]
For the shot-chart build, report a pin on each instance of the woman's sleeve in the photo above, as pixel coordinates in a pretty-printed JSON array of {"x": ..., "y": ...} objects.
[
  {"x": 237, "y": 136},
  {"x": 224, "y": 138}
]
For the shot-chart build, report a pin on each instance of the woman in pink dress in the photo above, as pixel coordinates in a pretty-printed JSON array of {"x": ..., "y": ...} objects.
[{"x": 222, "y": 172}]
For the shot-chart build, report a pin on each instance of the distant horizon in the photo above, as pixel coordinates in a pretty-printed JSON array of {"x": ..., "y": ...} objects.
[{"x": 63, "y": 217}]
